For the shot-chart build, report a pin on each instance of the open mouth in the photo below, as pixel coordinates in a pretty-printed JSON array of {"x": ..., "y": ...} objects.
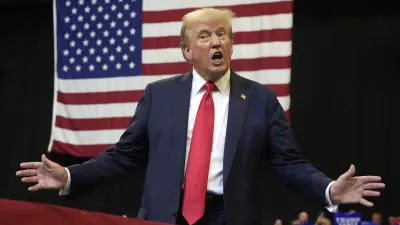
[{"x": 217, "y": 57}]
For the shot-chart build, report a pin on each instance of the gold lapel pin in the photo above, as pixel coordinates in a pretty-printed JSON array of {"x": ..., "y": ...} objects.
[{"x": 243, "y": 96}]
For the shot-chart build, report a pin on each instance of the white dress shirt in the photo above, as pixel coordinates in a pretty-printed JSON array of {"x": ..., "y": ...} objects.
[{"x": 221, "y": 103}]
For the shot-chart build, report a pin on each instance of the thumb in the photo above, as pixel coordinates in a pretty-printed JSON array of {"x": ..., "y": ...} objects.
[
  {"x": 47, "y": 162},
  {"x": 349, "y": 173}
]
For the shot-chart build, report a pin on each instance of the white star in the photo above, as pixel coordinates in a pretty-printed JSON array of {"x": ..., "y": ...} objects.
[
  {"x": 118, "y": 66},
  {"x": 118, "y": 48},
  {"x": 126, "y": 7},
  {"x": 73, "y": 27},
  {"x": 81, "y": 2},
  {"x": 132, "y": 31},
  {"x": 98, "y": 59},
  {"x": 133, "y": 14},
  {"x": 78, "y": 68},
  {"x": 74, "y": 10},
  {"x": 125, "y": 40},
  {"x": 71, "y": 60},
  {"x": 91, "y": 67},
  {"x": 113, "y": 7},
  {"x": 85, "y": 43},
  {"x": 68, "y": 3},
  {"x": 105, "y": 50},
  {"x": 100, "y": 9},
  {"x": 65, "y": 68},
  {"x": 66, "y": 52},
  {"x": 105, "y": 33},
  {"x": 112, "y": 57},
  {"x": 131, "y": 65},
  {"x": 67, "y": 19},
  {"x": 112, "y": 24},
  {"x": 66, "y": 36},
  {"x": 92, "y": 34},
  {"x": 112, "y": 41},
  {"x": 105, "y": 67},
  {"x": 79, "y": 34},
  {"x": 120, "y": 0},
  {"x": 132, "y": 48},
  {"x": 93, "y": 17},
  {"x": 94, "y": 2},
  {"x": 87, "y": 9},
  {"x": 78, "y": 51},
  {"x": 106, "y": 17},
  {"x": 98, "y": 42},
  {"x": 126, "y": 23},
  {"x": 107, "y": 1},
  {"x": 99, "y": 25},
  {"x": 85, "y": 59},
  {"x": 125, "y": 57},
  {"x": 86, "y": 26},
  {"x": 72, "y": 44},
  {"x": 119, "y": 15},
  {"x": 91, "y": 51},
  {"x": 119, "y": 32},
  {"x": 80, "y": 18}
]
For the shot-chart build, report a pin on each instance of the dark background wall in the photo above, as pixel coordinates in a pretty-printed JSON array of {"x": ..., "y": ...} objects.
[{"x": 345, "y": 103}]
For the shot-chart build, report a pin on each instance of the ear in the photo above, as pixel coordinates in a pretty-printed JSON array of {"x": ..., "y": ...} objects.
[{"x": 187, "y": 53}]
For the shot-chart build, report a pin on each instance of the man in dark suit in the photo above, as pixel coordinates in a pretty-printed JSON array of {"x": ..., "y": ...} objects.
[{"x": 203, "y": 137}]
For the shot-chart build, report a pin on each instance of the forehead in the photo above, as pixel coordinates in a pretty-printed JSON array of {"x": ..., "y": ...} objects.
[{"x": 210, "y": 24}]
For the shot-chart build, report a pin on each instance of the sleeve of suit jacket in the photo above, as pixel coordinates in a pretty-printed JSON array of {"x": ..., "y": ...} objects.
[
  {"x": 296, "y": 172},
  {"x": 128, "y": 153}
]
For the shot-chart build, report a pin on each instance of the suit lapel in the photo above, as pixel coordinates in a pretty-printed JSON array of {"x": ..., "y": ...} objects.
[
  {"x": 238, "y": 102},
  {"x": 179, "y": 113}
]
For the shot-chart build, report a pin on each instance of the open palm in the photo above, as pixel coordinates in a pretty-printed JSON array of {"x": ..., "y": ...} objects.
[
  {"x": 348, "y": 189},
  {"x": 47, "y": 174}
]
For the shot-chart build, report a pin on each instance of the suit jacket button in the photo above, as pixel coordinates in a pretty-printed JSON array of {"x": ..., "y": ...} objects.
[{"x": 174, "y": 215}]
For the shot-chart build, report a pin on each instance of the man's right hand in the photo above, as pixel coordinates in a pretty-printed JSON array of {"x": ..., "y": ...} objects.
[{"x": 47, "y": 174}]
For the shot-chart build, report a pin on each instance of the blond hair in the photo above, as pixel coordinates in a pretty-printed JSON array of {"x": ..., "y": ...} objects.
[{"x": 205, "y": 13}]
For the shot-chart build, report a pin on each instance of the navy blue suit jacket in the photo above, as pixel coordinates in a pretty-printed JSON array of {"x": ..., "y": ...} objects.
[{"x": 257, "y": 133}]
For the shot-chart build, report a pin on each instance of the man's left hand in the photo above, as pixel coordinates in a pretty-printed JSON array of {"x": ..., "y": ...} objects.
[{"x": 348, "y": 189}]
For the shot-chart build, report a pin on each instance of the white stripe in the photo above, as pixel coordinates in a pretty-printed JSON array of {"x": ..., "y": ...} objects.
[
  {"x": 285, "y": 102},
  {"x": 97, "y": 137},
  {"x": 96, "y": 111},
  {"x": 157, "y": 5},
  {"x": 280, "y": 76},
  {"x": 240, "y": 51},
  {"x": 241, "y": 24}
]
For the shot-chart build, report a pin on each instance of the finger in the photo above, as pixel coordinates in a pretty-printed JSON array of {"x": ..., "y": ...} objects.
[
  {"x": 373, "y": 186},
  {"x": 366, "y": 203},
  {"x": 371, "y": 193},
  {"x": 27, "y": 173},
  {"x": 35, "y": 188},
  {"x": 47, "y": 162},
  {"x": 368, "y": 179},
  {"x": 30, "y": 165},
  {"x": 30, "y": 179},
  {"x": 349, "y": 173}
]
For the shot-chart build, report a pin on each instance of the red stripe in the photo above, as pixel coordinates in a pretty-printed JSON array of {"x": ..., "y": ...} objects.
[
  {"x": 127, "y": 96},
  {"x": 237, "y": 65},
  {"x": 99, "y": 97},
  {"x": 93, "y": 124},
  {"x": 250, "y": 37},
  {"x": 259, "y": 9},
  {"x": 79, "y": 150}
]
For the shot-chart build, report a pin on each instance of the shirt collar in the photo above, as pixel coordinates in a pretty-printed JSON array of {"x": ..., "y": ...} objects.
[{"x": 222, "y": 83}]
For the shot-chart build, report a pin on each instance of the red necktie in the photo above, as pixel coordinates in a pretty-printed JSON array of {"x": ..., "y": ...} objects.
[{"x": 199, "y": 159}]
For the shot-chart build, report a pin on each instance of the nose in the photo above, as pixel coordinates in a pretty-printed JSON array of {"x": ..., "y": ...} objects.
[{"x": 215, "y": 42}]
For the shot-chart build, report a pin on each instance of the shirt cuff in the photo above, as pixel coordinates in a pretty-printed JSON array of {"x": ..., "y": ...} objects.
[
  {"x": 331, "y": 208},
  {"x": 66, "y": 189}
]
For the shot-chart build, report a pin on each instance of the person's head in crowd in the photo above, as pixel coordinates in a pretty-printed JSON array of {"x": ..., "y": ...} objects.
[
  {"x": 278, "y": 222},
  {"x": 296, "y": 222},
  {"x": 303, "y": 217},
  {"x": 376, "y": 218}
]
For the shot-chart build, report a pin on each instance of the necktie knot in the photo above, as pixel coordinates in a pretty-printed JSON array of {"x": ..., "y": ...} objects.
[{"x": 210, "y": 86}]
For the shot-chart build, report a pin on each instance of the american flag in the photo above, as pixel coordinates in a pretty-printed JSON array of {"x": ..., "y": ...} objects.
[{"x": 107, "y": 51}]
